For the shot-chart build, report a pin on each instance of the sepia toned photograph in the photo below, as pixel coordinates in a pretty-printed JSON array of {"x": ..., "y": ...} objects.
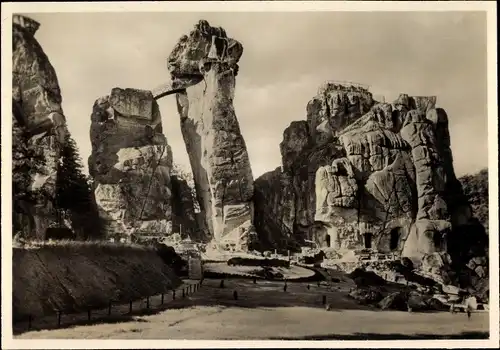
[{"x": 223, "y": 174}]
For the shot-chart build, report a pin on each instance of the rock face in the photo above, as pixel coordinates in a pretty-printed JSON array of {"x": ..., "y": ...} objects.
[
  {"x": 285, "y": 199},
  {"x": 130, "y": 164},
  {"x": 206, "y": 60},
  {"x": 364, "y": 175},
  {"x": 38, "y": 116}
]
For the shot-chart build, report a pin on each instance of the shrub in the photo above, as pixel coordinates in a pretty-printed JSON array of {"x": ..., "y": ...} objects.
[{"x": 171, "y": 258}]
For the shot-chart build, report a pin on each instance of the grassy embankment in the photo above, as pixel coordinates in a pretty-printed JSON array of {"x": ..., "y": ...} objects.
[{"x": 73, "y": 276}]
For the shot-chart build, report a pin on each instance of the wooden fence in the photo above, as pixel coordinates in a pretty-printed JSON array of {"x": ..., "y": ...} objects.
[{"x": 114, "y": 308}]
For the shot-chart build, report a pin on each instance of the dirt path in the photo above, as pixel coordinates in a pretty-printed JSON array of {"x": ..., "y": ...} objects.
[{"x": 265, "y": 311}]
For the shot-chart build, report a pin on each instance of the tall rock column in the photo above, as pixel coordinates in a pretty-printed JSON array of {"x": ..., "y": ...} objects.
[
  {"x": 130, "y": 164},
  {"x": 433, "y": 217},
  {"x": 39, "y": 118},
  {"x": 207, "y": 58}
]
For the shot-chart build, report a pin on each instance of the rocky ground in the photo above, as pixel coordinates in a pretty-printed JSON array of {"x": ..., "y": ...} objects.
[{"x": 265, "y": 311}]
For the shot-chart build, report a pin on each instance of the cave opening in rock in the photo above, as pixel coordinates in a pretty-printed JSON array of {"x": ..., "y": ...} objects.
[
  {"x": 438, "y": 240},
  {"x": 368, "y": 240},
  {"x": 394, "y": 239},
  {"x": 328, "y": 241}
]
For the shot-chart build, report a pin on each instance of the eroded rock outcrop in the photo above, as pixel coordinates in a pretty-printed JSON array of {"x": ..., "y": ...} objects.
[
  {"x": 400, "y": 170},
  {"x": 130, "y": 164},
  {"x": 285, "y": 199},
  {"x": 206, "y": 60},
  {"x": 39, "y": 121},
  {"x": 386, "y": 185}
]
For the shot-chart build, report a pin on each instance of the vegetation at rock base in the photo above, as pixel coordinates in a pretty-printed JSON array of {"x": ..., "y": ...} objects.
[
  {"x": 25, "y": 162},
  {"x": 181, "y": 173},
  {"x": 476, "y": 189},
  {"x": 74, "y": 194}
]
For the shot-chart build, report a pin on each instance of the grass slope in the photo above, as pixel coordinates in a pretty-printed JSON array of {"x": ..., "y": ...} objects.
[{"x": 72, "y": 276}]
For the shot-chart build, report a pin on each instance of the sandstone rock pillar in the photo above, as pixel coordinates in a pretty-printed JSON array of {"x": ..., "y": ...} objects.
[
  {"x": 216, "y": 148},
  {"x": 37, "y": 113},
  {"x": 130, "y": 164}
]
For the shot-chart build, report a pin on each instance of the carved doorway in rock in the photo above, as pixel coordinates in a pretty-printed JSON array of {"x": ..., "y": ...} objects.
[
  {"x": 368, "y": 240},
  {"x": 439, "y": 241},
  {"x": 328, "y": 239},
  {"x": 395, "y": 235}
]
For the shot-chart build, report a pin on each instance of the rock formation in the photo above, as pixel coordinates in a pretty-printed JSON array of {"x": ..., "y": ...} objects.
[
  {"x": 386, "y": 182},
  {"x": 285, "y": 199},
  {"x": 39, "y": 118},
  {"x": 206, "y": 61},
  {"x": 130, "y": 164}
]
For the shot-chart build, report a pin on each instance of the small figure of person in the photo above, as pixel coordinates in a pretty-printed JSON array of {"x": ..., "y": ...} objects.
[
  {"x": 235, "y": 295},
  {"x": 470, "y": 305},
  {"x": 222, "y": 283},
  {"x": 285, "y": 287}
]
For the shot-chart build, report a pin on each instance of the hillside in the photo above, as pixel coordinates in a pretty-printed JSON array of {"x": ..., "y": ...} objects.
[
  {"x": 76, "y": 275},
  {"x": 476, "y": 189}
]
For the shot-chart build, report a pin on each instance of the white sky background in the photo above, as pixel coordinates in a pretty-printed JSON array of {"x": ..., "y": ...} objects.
[{"x": 286, "y": 57}]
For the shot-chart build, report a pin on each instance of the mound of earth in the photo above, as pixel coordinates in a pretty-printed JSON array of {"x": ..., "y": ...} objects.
[
  {"x": 221, "y": 270},
  {"x": 364, "y": 278},
  {"x": 258, "y": 262}
]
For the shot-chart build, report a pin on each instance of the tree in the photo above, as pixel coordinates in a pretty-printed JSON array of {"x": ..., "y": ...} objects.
[
  {"x": 72, "y": 186},
  {"x": 74, "y": 192},
  {"x": 25, "y": 162},
  {"x": 181, "y": 173},
  {"x": 475, "y": 188}
]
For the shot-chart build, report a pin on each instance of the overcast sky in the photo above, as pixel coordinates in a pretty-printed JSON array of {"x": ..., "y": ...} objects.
[{"x": 286, "y": 57}]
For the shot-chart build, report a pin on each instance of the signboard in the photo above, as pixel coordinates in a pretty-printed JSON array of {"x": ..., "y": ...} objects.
[{"x": 195, "y": 269}]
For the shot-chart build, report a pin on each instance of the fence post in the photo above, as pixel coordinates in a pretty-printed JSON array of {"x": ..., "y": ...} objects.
[
  {"x": 30, "y": 318},
  {"x": 173, "y": 294},
  {"x": 89, "y": 314},
  {"x": 147, "y": 302},
  {"x": 183, "y": 293},
  {"x": 59, "y": 318},
  {"x": 130, "y": 307},
  {"x": 109, "y": 308},
  {"x": 162, "y": 298}
]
